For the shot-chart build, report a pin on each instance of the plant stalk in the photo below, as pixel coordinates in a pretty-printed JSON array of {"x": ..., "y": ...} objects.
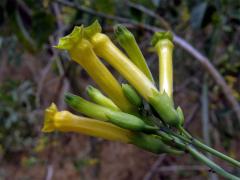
[{"x": 203, "y": 146}]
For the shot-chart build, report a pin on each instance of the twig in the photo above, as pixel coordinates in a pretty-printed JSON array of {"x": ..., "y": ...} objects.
[
  {"x": 205, "y": 120},
  {"x": 49, "y": 173},
  {"x": 91, "y": 11},
  {"x": 191, "y": 115},
  {"x": 47, "y": 68},
  {"x": 179, "y": 41},
  {"x": 184, "y": 84},
  {"x": 43, "y": 76},
  {"x": 151, "y": 13},
  {"x": 150, "y": 174},
  {"x": 205, "y": 114},
  {"x": 182, "y": 168}
]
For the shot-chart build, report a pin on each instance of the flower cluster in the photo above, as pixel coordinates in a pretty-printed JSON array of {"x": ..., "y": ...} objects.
[
  {"x": 136, "y": 112},
  {"x": 119, "y": 115}
]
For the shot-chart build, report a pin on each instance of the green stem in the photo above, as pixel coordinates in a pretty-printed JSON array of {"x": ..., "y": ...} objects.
[
  {"x": 218, "y": 154},
  {"x": 216, "y": 168}
]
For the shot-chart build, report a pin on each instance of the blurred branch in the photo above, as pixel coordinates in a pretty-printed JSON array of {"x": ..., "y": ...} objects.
[
  {"x": 206, "y": 63},
  {"x": 205, "y": 120},
  {"x": 205, "y": 114},
  {"x": 191, "y": 115},
  {"x": 49, "y": 173},
  {"x": 182, "y": 168},
  {"x": 154, "y": 168},
  {"x": 24, "y": 7},
  {"x": 151, "y": 13},
  {"x": 55, "y": 58},
  {"x": 91, "y": 11}
]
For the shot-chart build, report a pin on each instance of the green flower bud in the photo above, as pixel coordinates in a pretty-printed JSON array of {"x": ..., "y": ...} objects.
[
  {"x": 128, "y": 121},
  {"x": 152, "y": 144},
  {"x": 132, "y": 95},
  {"x": 163, "y": 104},
  {"x": 97, "y": 97},
  {"x": 120, "y": 119},
  {"x": 85, "y": 107},
  {"x": 127, "y": 41}
]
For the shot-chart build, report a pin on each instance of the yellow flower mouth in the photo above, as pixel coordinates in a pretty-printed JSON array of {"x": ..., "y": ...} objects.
[{"x": 69, "y": 41}]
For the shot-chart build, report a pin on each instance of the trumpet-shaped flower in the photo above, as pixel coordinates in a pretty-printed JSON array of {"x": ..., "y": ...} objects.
[
  {"x": 105, "y": 49},
  {"x": 164, "y": 47},
  {"x": 81, "y": 51},
  {"x": 67, "y": 122}
]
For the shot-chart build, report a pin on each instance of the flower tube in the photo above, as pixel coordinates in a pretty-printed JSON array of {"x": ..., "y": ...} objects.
[
  {"x": 67, "y": 122},
  {"x": 164, "y": 47},
  {"x": 163, "y": 101},
  {"x": 81, "y": 51},
  {"x": 105, "y": 49}
]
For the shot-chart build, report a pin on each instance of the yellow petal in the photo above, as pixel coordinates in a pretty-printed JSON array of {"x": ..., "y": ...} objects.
[{"x": 48, "y": 118}]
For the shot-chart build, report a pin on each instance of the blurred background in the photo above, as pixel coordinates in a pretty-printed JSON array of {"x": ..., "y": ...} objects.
[{"x": 33, "y": 74}]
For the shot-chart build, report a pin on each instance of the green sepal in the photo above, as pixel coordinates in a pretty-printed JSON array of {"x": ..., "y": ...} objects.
[
  {"x": 132, "y": 95},
  {"x": 152, "y": 144},
  {"x": 180, "y": 115},
  {"x": 92, "y": 29},
  {"x": 128, "y": 121},
  {"x": 163, "y": 104},
  {"x": 97, "y": 97},
  {"x": 161, "y": 36}
]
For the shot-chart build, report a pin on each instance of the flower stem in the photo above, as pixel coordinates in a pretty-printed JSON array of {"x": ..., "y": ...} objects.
[
  {"x": 203, "y": 146},
  {"x": 177, "y": 139},
  {"x": 216, "y": 168}
]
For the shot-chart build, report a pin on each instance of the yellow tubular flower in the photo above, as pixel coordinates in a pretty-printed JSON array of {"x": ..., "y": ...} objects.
[
  {"x": 105, "y": 49},
  {"x": 67, "y": 122},
  {"x": 164, "y": 48},
  {"x": 81, "y": 51}
]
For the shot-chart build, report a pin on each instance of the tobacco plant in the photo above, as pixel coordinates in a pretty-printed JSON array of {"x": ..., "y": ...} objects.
[{"x": 137, "y": 112}]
